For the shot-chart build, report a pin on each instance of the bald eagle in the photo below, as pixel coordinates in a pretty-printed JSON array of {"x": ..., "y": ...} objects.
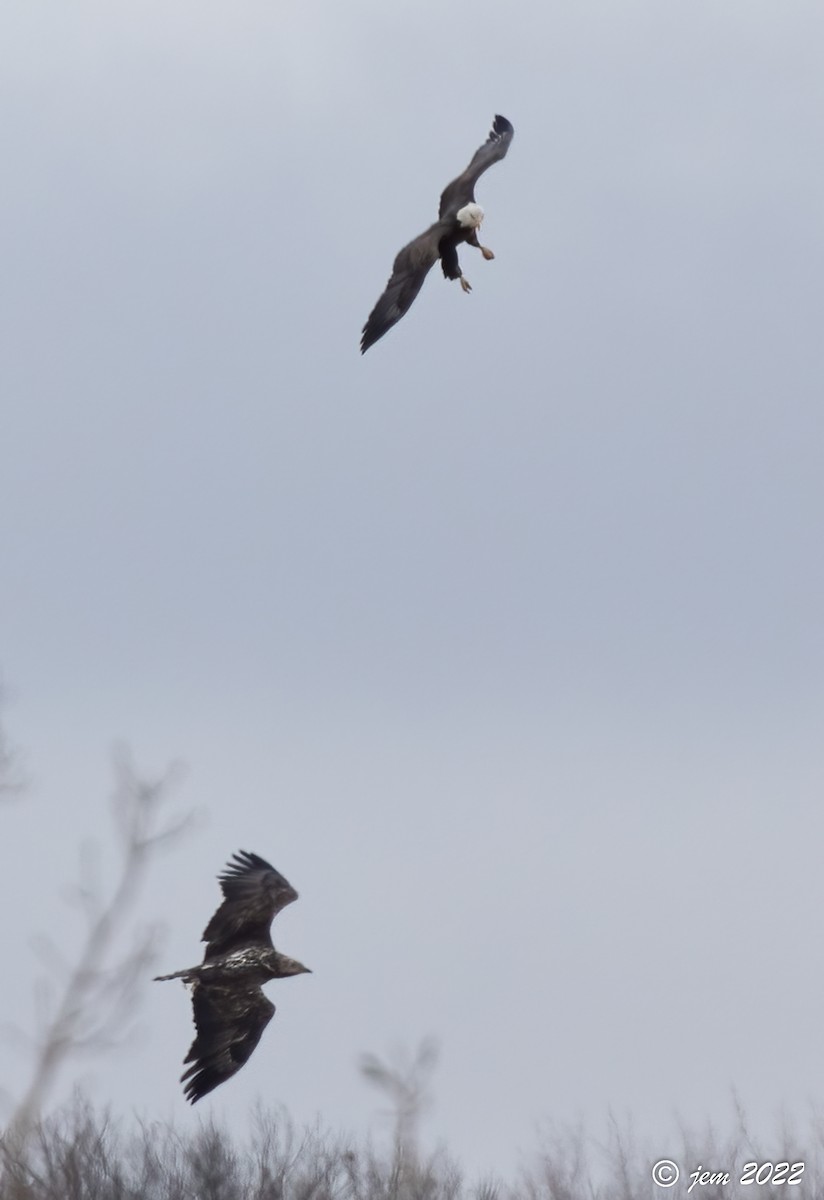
[
  {"x": 230, "y": 1009},
  {"x": 459, "y": 219}
]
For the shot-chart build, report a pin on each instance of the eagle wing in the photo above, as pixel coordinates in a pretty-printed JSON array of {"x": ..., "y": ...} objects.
[
  {"x": 254, "y": 894},
  {"x": 412, "y": 265},
  {"x": 461, "y": 191},
  {"x": 229, "y": 1023}
]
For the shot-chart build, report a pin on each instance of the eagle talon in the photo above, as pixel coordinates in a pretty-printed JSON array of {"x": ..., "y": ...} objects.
[
  {"x": 487, "y": 253},
  {"x": 465, "y": 284}
]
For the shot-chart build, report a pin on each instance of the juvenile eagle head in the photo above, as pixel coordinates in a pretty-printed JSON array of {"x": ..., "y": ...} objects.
[{"x": 470, "y": 216}]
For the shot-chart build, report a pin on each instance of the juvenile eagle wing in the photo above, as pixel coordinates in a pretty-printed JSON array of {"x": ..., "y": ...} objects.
[
  {"x": 254, "y": 894},
  {"x": 229, "y": 1023}
]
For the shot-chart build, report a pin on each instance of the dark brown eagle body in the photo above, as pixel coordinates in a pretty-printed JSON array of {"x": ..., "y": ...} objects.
[
  {"x": 458, "y": 220},
  {"x": 230, "y": 1010}
]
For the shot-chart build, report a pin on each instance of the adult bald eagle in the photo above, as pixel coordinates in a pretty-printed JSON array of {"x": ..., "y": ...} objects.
[
  {"x": 459, "y": 219},
  {"x": 230, "y": 1009}
]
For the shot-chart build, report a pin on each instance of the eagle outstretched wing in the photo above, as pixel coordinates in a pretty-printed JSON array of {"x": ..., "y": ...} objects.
[
  {"x": 229, "y": 1024},
  {"x": 254, "y": 894},
  {"x": 461, "y": 191},
  {"x": 412, "y": 265}
]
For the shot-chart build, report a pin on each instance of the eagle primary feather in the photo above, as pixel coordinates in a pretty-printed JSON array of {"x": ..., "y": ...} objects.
[
  {"x": 461, "y": 191},
  {"x": 230, "y": 1009},
  {"x": 459, "y": 219},
  {"x": 254, "y": 894}
]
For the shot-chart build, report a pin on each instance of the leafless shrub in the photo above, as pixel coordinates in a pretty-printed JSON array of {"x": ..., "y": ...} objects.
[
  {"x": 489, "y": 1188},
  {"x": 97, "y": 992},
  {"x": 78, "y": 1155},
  {"x": 74, "y": 1155},
  {"x": 310, "y": 1165},
  {"x": 573, "y": 1165}
]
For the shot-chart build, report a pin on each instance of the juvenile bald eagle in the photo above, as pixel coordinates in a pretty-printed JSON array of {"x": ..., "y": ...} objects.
[
  {"x": 230, "y": 1009},
  {"x": 459, "y": 219}
]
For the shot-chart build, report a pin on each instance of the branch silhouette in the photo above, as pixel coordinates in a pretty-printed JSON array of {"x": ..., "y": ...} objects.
[
  {"x": 100, "y": 989},
  {"x": 407, "y": 1085}
]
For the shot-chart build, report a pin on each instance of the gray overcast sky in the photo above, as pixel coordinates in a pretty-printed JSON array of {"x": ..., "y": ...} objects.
[{"x": 503, "y": 642}]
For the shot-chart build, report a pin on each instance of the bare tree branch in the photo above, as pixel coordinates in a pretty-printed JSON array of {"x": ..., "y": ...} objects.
[
  {"x": 98, "y": 992},
  {"x": 406, "y": 1083}
]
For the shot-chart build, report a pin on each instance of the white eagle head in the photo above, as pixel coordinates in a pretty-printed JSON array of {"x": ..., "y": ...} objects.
[{"x": 470, "y": 216}]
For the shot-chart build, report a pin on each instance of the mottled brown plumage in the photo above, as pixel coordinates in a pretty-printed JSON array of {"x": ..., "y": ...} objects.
[{"x": 230, "y": 1009}]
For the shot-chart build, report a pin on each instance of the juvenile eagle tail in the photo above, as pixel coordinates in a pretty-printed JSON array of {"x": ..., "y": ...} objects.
[{"x": 190, "y": 974}]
